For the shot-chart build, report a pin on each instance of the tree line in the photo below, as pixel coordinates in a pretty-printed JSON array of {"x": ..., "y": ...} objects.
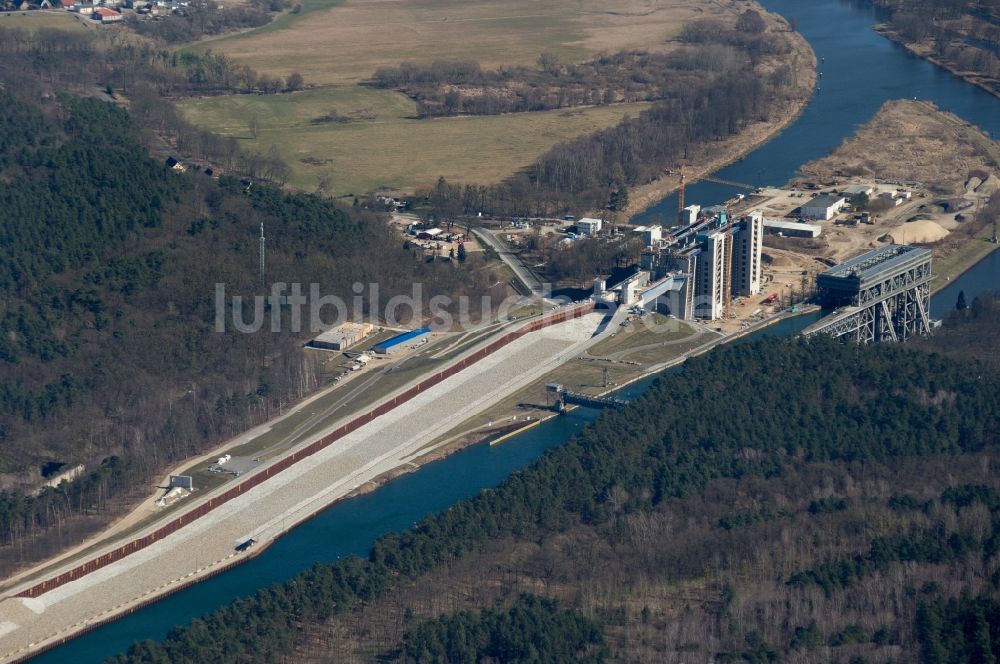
[
  {"x": 455, "y": 87},
  {"x": 962, "y": 33},
  {"x": 38, "y": 62},
  {"x": 203, "y": 18},
  {"x": 72, "y": 57}
]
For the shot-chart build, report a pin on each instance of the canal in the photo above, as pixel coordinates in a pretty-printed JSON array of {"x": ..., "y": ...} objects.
[
  {"x": 351, "y": 527},
  {"x": 861, "y": 70}
]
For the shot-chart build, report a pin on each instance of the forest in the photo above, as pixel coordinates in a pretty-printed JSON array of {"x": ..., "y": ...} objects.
[
  {"x": 108, "y": 267},
  {"x": 680, "y": 534},
  {"x": 37, "y": 63}
]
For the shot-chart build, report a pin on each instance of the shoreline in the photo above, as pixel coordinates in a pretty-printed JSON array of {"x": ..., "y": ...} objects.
[
  {"x": 966, "y": 267},
  {"x": 893, "y": 36},
  {"x": 129, "y": 605},
  {"x": 644, "y": 197}
]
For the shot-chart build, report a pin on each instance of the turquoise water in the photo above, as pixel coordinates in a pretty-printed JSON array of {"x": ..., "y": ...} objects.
[{"x": 861, "y": 71}]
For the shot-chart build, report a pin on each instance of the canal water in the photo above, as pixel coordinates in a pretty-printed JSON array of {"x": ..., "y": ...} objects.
[
  {"x": 983, "y": 277},
  {"x": 861, "y": 71}
]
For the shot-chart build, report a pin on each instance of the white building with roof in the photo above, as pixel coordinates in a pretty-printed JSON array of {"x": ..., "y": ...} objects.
[
  {"x": 823, "y": 207},
  {"x": 589, "y": 226},
  {"x": 343, "y": 336}
]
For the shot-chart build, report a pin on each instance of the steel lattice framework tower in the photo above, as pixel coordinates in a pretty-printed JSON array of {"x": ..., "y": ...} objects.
[{"x": 883, "y": 295}]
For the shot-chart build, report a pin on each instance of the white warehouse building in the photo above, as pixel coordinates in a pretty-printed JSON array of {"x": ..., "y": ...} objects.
[{"x": 823, "y": 207}]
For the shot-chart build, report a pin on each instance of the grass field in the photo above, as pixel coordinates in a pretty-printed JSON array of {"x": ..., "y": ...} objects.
[
  {"x": 339, "y": 41},
  {"x": 33, "y": 20},
  {"x": 384, "y": 147}
]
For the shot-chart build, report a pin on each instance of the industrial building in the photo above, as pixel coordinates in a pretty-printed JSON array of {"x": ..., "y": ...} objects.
[
  {"x": 400, "y": 341},
  {"x": 690, "y": 214},
  {"x": 747, "y": 246},
  {"x": 823, "y": 207},
  {"x": 625, "y": 286},
  {"x": 882, "y": 295},
  {"x": 709, "y": 263},
  {"x": 651, "y": 235},
  {"x": 343, "y": 336},
  {"x": 858, "y": 189},
  {"x": 678, "y": 300},
  {"x": 710, "y": 276},
  {"x": 589, "y": 226},
  {"x": 791, "y": 228}
]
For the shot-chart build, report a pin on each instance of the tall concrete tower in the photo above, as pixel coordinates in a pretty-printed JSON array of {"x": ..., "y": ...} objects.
[
  {"x": 710, "y": 277},
  {"x": 748, "y": 240}
]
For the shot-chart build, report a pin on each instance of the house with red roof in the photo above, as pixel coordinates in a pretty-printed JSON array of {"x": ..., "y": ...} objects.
[{"x": 106, "y": 15}]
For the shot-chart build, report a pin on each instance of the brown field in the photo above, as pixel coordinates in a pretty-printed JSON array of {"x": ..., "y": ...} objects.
[{"x": 349, "y": 41}]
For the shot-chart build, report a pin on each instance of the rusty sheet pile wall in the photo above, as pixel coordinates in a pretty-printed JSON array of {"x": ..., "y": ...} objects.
[{"x": 275, "y": 468}]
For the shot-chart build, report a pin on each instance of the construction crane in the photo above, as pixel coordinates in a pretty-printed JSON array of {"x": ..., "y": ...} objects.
[
  {"x": 680, "y": 193},
  {"x": 730, "y": 183}
]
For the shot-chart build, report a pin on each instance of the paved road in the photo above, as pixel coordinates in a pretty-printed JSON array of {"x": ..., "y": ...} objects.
[{"x": 513, "y": 261}]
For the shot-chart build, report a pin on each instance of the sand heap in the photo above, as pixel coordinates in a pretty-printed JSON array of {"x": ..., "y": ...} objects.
[{"x": 918, "y": 232}]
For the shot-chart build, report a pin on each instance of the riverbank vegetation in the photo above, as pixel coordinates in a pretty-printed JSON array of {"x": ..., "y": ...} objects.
[
  {"x": 445, "y": 88},
  {"x": 961, "y": 35},
  {"x": 720, "y": 535}
]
